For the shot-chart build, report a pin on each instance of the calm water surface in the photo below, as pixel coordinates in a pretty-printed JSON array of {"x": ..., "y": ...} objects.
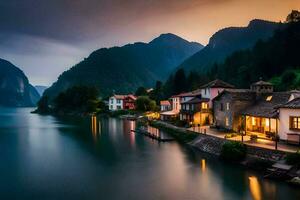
[{"x": 44, "y": 157}]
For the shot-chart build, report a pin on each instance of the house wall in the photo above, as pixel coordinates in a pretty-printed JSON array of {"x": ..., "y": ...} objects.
[
  {"x": 113, "y": 105},
  {"x": 164, "y": 107},
  {"x": 211, "y": 93},
  {"x": 231, "y": 114},
  {"x": 284, "y": 121}
]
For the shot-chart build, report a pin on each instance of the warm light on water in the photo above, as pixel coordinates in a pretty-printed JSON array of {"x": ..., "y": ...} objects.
[
  {"x": 255, "y": 188},
  {"x": 46, "y": 157},
  {"x": 96, "y": 127},
  {"x": 203, "y": 165}
]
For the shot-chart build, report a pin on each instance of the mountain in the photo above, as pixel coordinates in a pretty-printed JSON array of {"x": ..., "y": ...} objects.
[
  {"x": 124, "y": 69},
  {"x": 40, "y": 89},
  {"x": 276, "y": 59},
  {"x": 226, "y": 41},
  {"x": 15, "y": 89}
]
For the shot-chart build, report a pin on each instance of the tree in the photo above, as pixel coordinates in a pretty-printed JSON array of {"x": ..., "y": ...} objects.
[
  {"x": 157, "y": 93},
  {"x": 180, "y": 81},
  {"x": 294, "y": 16},
  {"x": 141, "y": 91},
  {"x": 77, "y": 98},
  {"x": 144, "y": 103},
  {"x": 43, "y": 105}
]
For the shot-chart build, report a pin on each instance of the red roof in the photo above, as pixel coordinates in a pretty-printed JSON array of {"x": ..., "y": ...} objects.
[
  {"x": 125, "y": 96},
  {"x": 165, "y": 103}
]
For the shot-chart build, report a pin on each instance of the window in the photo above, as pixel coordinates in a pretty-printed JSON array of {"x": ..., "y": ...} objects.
[
  {"x": 269, "y": 98},
  {"x": 221, "y": 107},
  {"x": 204, "y": 106},
  {"x": 187, "y": 106},
  {"x": 118, "y": 107},
  {"x": 111, "y": 107},
  {"x": 118, "y": 101},
  {"x": 227, "y": 106},
  {"x": 226, "y": 121},
  {"x": 111, "y": 101},
  {"x": 253, "y": 121},
  {"x": 295, "y": 123}
]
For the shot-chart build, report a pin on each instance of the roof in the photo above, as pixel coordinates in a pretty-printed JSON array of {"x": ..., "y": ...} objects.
[
  {"x": 165, "y": 103},
  {"x": 188, "y": 94},
  {"x": 131, "y": 96},
  {"x": 294, "y": 104},
  {"x": 217, "y": 84},
  {"x": 264, "y": 108},
  {"x": 196, "y": 100},
  {"x": 262, "y": 83},
  {"x": 238, "y": 94},
  {"x": 118, "y": 96}
]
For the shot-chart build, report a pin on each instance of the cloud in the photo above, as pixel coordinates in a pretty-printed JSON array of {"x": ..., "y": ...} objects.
[{"x": 46, "y": 37}]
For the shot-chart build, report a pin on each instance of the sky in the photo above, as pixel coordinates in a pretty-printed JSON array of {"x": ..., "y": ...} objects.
[{"x": 46, "y": 37}]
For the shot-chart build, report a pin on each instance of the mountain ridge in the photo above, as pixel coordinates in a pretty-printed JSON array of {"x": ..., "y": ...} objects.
[
  {"x": 226, "y": 41},
  {"x": 124, "y": 69},
  {"x": 15, "y": 89}
]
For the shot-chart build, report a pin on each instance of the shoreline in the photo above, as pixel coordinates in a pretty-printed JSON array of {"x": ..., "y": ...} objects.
[{"x": 257, "y": 158}]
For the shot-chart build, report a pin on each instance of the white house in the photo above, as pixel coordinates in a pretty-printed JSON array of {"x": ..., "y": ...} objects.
[
  {"x": 116, "y": 102},
  {"x": 165, "y": 105},
  {"x": 289, "y": 121}
]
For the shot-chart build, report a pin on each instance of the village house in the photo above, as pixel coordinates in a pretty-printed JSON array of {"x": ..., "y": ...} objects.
[
  {"x": 122, "y": 102},
  {"x": 183, "y": 99},
  {"x": 173, "y": 112},
  {"x": 196, "y": 111},
  {"x": 254, "y": 111},
  {"x": 165, "y": 105},
  {"x": 289, "y": 124},
  {"x": 227, "y": 106},
  {"x": 213, "y": 89},
  {"x": 196, "y": 106}
]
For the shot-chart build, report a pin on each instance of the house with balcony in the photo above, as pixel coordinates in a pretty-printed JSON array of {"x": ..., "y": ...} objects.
[
  {"x": 196, "y": 111},
  {"x": 175, "y": 102}
]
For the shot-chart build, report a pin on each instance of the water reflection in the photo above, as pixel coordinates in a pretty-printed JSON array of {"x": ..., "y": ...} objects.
[
  {"x": 129, "y": 126},
  {"x": 58, "y": 158},
  {"x": 154, "y": 131},
  {"x": 255, "y": 188},
  {"x": 96, "y": 127},
  {"x": 203, "y": 165}
]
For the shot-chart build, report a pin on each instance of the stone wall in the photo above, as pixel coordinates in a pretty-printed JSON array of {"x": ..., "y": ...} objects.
[{"x": 213, "y": 145}]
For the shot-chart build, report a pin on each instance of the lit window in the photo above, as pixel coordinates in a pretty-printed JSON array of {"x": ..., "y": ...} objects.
[
  {"x": 269, "y": 98},
  {"x": 253, "y": 121},
  {"x": 204, "y": 105},
  {"x": 295, "y": 123},
  {"x": 226, "y": 121},
  {"x": 267, "y": 122},
  {"x": 227, "y": 106}
]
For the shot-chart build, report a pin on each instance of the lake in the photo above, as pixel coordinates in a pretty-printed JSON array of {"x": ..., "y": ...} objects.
[{"x": 44, "y": 157}]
